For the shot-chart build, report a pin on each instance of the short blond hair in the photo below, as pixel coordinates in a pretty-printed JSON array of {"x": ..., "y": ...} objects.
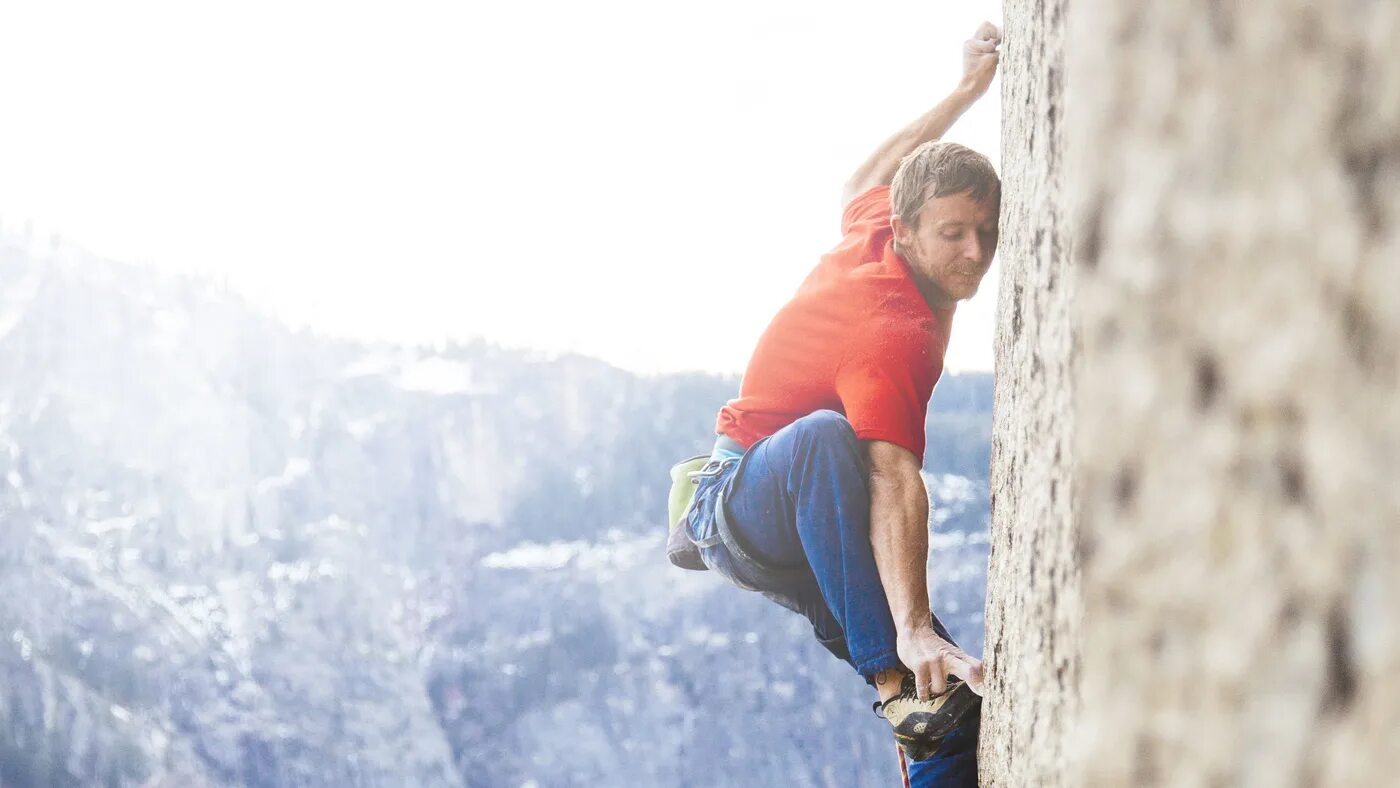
[{"x": 939, "y": 169}]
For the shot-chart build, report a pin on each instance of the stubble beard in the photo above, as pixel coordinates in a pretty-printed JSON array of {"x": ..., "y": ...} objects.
[{"x": 932, "y": 290}]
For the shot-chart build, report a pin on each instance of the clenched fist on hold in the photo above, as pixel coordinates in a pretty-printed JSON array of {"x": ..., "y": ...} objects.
[{"x": 980, "y": 58}]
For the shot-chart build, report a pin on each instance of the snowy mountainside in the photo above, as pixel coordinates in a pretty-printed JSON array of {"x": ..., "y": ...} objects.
[{"x": 234, "y": 554}]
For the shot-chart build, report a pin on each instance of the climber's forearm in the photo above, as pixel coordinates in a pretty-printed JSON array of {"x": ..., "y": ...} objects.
[
  {"x": 899, "y": 532},
  {"x": 879, "y": 169},
  {"x": 980, "y": 59}
]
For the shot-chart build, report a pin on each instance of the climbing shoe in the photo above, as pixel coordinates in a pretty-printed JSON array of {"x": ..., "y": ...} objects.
[{"x": 920, "y": 725}]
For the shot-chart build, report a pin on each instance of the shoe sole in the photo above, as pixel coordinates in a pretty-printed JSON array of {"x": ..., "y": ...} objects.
[{"x": 921, "y": 733}]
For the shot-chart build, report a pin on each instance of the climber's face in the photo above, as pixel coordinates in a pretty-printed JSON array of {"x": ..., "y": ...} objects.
[{"x": 952, "y": 245}]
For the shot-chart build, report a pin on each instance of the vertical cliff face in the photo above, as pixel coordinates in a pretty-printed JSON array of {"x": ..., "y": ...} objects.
[
  {"x": 1236, "y": 182},
  {"x": 1231, "y": 183},
  {"x": 1032, "y": 585}
]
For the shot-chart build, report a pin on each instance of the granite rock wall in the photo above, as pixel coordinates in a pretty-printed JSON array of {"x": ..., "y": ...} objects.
[
  {"x": 1236, "y": 206},
  {"x": 1032, "y": 585},
  {"x": 1223, "y": 182}
]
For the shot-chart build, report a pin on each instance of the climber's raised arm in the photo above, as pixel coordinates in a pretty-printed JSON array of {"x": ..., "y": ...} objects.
[{"x": 980, "y": 58}]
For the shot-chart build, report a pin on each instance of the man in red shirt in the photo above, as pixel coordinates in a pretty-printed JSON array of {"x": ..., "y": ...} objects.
[{"x": 814, "y": 495}]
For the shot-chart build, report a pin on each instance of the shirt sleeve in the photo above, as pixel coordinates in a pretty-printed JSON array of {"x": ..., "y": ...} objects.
[
  {"x": 884, "y": 383},
  {"x": 871, "y": 205}
]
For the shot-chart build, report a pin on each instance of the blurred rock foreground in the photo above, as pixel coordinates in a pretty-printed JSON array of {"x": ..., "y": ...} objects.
[
  {"x": 233, "y": 554},
  {"x": 1195, "y": 564}
]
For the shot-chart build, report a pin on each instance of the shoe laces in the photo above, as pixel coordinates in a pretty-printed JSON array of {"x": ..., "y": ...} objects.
[{"x": 909, "y": 690}]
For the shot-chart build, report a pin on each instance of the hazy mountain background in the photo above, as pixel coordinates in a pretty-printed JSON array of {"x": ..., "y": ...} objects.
[{"x": 235, "y": 554}]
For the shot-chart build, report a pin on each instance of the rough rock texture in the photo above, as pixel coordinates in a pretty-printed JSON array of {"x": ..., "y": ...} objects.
[
  {"x": 1231, "y": 182},
  {"x": 1234, "y": 171},
  {"x": 1032, "y": 584}
]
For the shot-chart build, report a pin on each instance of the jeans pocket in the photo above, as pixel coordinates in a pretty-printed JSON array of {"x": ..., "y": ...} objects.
[
  {"x": 701, "y": 522},
  {"x": 704, "y": 531}
]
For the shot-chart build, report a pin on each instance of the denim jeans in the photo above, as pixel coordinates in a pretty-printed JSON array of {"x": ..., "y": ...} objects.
[{"x": 791, "y": 520}]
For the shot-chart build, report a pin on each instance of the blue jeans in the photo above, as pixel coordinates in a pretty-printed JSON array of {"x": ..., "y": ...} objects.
[{"x": 791, "y": 520}]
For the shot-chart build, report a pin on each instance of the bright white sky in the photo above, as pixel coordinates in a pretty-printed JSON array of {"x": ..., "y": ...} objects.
[{"x": 605, "y": 177}]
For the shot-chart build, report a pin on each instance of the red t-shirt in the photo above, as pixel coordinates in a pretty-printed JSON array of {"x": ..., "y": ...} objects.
[{"x": 857, "y": 338}]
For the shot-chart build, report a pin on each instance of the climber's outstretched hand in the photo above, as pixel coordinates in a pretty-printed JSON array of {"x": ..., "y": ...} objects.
[{"x": 980, "y": 58}]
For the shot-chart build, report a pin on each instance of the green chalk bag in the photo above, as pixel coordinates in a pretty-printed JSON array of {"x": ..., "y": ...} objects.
[{"x": 679, "y": 549}]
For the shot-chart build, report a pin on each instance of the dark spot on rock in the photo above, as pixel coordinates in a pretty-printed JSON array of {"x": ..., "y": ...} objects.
[
  {"x": 1090, "y": 235},
  {"x": 1114, "y": 599},
  {"x": 1125, "y": 487},
  {"x": 1307, "y": 775},
  {"x": 1361, "y": 333},
  {"x": 1361, "y": 167},
  {"x": 1207, "y": 381},
  {"x": 1054, "y": 490},
  {"x": 1341, "y": 667},
  {"x": 1109, "y": 331},
  {"x": 1362, "y": 159},
  {"x": 1157, "y": 643},
  {"x": 1084, "y": 546},
  {"x": 1294, "y": 481},
  {"x": 1016, "y": 313},
  {"x": 1144, "y": 763},
  {"x": 1222, "y": 23},
  {"x": 1291, "y": 613},
  {"x": 1309, "y": 23},
  {"x": 1131, "y": 23}
]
